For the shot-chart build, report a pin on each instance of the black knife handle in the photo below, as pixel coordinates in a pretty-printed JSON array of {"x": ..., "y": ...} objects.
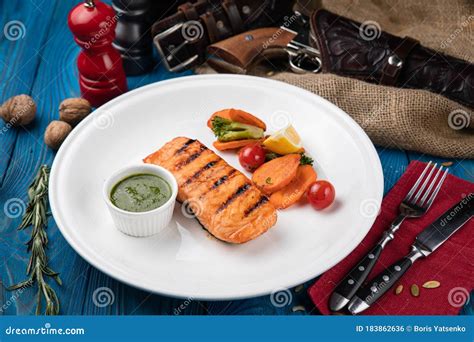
[
  {"x": 355, "y": 278},
  {"x": 381, "y": 283},
  {"x": 384, "y": 281}
]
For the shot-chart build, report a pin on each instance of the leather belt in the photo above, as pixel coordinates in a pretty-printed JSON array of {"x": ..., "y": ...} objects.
[
  {"x": 395, "y": 62},
  {"x": 382, "y": 58},
  {"x": 181, "y": 39}
]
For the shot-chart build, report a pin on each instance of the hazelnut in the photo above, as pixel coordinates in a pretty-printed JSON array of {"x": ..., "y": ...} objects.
[
  {"x": 18, "y": 110},
  {"x": 56, "y": 133},
  {"x": 74, "y": 110}
]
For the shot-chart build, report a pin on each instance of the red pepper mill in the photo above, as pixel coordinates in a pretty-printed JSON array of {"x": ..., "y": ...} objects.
[{"x": 101, "y": 74}]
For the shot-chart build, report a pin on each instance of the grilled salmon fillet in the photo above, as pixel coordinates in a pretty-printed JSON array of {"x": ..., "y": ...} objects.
[{"x": 223, "y": 199}]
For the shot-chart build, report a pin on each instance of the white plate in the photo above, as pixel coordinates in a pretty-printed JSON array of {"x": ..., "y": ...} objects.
[{"x": 185, "y": 261}]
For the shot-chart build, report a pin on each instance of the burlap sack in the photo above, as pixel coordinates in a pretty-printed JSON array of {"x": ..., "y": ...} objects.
[
  {"x": 400, "y": 118},
  {"x": 415, "y": 120}
]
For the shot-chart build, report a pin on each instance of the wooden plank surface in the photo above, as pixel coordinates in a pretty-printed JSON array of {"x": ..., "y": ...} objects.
[
  {"x": 24, "y": 35},
  {"x": 42, "y": 64}
]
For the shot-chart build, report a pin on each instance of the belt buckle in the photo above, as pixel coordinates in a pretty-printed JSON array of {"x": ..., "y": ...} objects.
[{"x": 168, "y": 58}]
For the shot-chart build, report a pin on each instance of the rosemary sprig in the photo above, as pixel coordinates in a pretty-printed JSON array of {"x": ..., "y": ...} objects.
[{"x": 37, "y": 217}]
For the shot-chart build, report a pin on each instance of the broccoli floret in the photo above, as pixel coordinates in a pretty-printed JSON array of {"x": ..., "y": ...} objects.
[
  {"x": 271, "y": 155},
  {"x": 305, "y": 160},
  {"x": 228, "y": 130}
]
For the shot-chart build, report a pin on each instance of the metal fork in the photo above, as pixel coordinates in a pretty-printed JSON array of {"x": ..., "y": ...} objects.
[{"x": 415, "y": 204}]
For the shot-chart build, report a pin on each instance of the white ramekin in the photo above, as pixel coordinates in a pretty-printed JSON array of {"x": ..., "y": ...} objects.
[{"x": 141, "y": 223}]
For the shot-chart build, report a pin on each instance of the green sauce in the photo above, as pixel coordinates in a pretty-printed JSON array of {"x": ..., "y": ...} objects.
[{"x": 140, "y": 192}]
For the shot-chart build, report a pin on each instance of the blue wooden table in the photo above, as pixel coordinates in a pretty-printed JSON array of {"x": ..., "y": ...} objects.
[{"x": 41, "y": 61}]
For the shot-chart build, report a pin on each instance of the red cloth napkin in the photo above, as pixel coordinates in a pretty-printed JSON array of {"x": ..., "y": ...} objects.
[{"x": 452, "y": 264}]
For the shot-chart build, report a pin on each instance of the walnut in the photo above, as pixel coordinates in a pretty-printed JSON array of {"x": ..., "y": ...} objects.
[
  {"x": 18, "y": 110},
  {"x": 56, "y": 133},
  {"x": 74, "y": 110}
]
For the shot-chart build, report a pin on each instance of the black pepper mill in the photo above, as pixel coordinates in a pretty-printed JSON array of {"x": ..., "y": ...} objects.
[{"x": 133, "y": 37}]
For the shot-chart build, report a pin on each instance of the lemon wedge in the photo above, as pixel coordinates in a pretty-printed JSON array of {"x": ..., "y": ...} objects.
[{"x": 284, "y": 141}]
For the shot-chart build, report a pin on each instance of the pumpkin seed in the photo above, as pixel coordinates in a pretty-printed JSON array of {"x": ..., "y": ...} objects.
[
  {"x": 432, "y": 284},
  {"x": 449, "y": 163},
  {"x": 298, "y": 308},
  {"x": 299, "y": 288},
  {"x": 415, "y": 290},
  {"x": 399, "y": 289}
]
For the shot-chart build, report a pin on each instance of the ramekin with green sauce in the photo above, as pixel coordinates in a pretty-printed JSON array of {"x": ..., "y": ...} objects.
[{"x": 141, "y": 199}]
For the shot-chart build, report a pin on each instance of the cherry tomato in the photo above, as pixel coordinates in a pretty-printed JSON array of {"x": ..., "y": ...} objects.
[
  {"x": 321, "y": 194},
  {"x": 251, "y": 157}
]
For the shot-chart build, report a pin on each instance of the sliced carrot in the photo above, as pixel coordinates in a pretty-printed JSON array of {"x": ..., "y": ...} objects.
[
  {"x": 277, "y": 173},
  {"x": 225, "y": 113},
  {"x": 235, "y": 144},
  {"x": 246, "y": 118},
  {"x": 293, "y": 192},
  {"x": 237, "y": 115}
]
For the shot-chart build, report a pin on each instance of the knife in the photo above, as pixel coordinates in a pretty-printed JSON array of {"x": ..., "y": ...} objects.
[{"x": 425, "y": 243}]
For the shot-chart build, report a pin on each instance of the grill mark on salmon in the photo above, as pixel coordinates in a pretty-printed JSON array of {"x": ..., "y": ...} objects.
[
  {"x": 223, "y": 179},
  {"x": 185, "y": 146},
  {"x": 187, "y": 171},
  {"x": 192, "y": 157},
  {"x": 233, "y": 209},
  {"x": 200, "y": 171},
  {"x": 232, "y": 197},
  {"x": 201, "y": 184},
  {"x": 262, "y": 200}
]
